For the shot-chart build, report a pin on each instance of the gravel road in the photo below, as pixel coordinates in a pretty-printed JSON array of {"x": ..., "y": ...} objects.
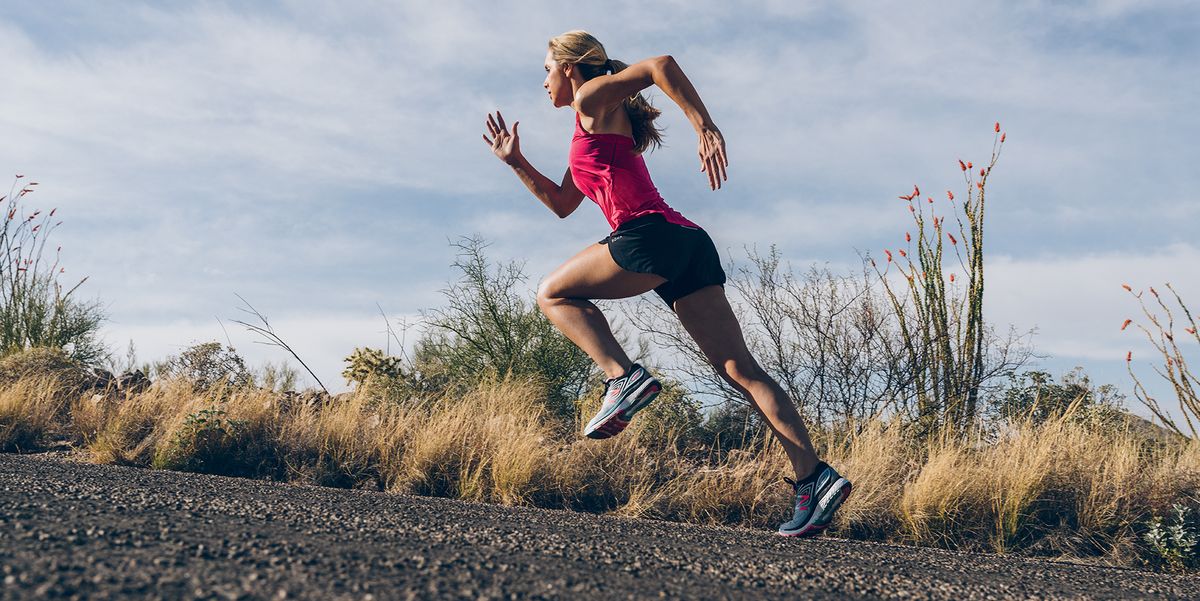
[{"x": 72, "y": 530}]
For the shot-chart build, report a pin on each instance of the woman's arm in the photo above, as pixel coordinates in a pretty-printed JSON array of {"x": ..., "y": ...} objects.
[
  {"x": 599, "y": 93},
  {"x": 604, "y": 91},
  {"x": 561, "y": 199}
]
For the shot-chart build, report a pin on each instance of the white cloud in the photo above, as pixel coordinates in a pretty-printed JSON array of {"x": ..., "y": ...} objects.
[{"x": 1077, "y": 302}]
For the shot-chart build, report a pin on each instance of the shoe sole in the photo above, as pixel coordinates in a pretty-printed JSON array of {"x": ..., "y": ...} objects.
[
  {"x": 620, "y": 418},
  {"x": 831, "y": 505}
]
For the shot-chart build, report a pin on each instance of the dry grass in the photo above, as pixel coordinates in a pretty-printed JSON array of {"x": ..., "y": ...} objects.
[
  {"x": 1066, "y": 486},
  {"x": 30, "y": 409}
]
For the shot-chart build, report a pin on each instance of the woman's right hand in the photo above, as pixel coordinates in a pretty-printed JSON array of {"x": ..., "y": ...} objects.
[{"x": 506, "y": 146}]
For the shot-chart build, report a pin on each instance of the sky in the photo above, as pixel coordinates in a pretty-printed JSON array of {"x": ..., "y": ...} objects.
[{"x": 318, "y": 158}]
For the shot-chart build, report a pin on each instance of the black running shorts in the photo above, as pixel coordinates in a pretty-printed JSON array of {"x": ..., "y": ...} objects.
[{"x": 685, "y": 255}]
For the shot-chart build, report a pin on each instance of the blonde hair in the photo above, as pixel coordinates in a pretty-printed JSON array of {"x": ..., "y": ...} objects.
[{"x": 580, "y": 48}]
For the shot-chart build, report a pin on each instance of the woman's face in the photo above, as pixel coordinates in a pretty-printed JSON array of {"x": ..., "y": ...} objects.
[{"x": 557, "y": 83}]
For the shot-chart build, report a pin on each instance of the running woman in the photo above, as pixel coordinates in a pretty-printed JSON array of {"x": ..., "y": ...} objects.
[{"x": 651, "y": 247}]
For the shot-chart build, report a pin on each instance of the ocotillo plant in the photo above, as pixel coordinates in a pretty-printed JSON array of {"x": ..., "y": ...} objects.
[
  {"x": 1178, "y": 374},
  {"x": 945, "y": 342}
]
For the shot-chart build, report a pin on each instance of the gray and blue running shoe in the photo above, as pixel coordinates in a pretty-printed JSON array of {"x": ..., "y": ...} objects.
[
  {"x": 817, "y": 497},
  {"x": 623, "y": 397}
]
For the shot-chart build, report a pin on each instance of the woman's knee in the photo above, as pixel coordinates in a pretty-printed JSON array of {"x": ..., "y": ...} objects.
[
  {"x": 742, "y": 373},
  {"x": 546, "y": 294}
]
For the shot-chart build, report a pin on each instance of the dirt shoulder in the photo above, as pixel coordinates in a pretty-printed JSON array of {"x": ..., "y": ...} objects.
[{"x": 96, "y": 531}]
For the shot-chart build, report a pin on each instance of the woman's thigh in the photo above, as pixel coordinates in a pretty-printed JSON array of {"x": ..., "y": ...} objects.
[
  {"x": 594, "y": 274},
  {"x": 709, "y": 319}
]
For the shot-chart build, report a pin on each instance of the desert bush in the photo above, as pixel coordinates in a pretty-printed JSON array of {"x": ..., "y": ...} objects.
[
  {"x": 1036, "y": 396},
  {"x": 490, "y": 328},
  {"x": 277, "y": 378},
  {"x": 53, "y": 362},
  {"x": 207, "y": 365},
  {"x": 375, "y": 373}
]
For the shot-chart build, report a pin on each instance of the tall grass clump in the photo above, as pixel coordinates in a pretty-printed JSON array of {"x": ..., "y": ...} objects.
[
  {"x": 492, "y": 444},
  {"x": 30, "y": 410},
  {"x": 35, "y": 309}
]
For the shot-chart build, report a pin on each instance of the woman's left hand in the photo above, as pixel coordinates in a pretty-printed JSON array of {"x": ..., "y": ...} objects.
[{"x": 712, "y": 155}]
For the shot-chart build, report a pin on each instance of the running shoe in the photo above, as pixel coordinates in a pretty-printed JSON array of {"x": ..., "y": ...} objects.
[
  {"x": 817, "y": 497},
  {"x": 623, "y": 397}
]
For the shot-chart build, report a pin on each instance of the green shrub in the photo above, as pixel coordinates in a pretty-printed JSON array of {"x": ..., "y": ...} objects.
[
  {"x": 491, "y": 329},
  {"x": 210, "y": 442},
  {"x": 1175, "y": 542}
]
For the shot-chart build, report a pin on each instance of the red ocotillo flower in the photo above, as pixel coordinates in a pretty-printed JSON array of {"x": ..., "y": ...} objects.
[
  {"x": 997, "y": 127},
  {"x": 950, "y": 195},
  {"x": 902, "y": 253},
  {"x": 962, "y": 164},
  {"x": 952, "y": 240},
  {"x": 1002, "y": 136},
  {"x": 979, "y": 185},
  {"x": 1190, "y": 330},
  {"x": 930, "y": 200},
  {"x": 982, "y": 172},
  {"x": 1128, "y": 356},
  {"x": 916, "y": 191},
  {"x": 889, "y": 254},
  {"x": 952, "y": 277},
  {"x": 907, "y": 238},
  {"x": 1127, "y": 288},
  {"x": 969, "y": 165},
  {"x": 62, "y": 269},
  {"x": 1126, "y": 324}
]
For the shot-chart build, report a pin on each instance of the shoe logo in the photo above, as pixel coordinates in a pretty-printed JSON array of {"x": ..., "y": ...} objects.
[{"x": 801, "y": 503}]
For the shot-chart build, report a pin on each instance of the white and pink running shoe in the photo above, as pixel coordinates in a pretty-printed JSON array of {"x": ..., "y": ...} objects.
[{"x": 623, "y": 397}]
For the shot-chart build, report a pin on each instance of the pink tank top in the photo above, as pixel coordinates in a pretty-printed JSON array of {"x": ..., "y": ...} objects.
[{"x": 607, "y": 171}]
